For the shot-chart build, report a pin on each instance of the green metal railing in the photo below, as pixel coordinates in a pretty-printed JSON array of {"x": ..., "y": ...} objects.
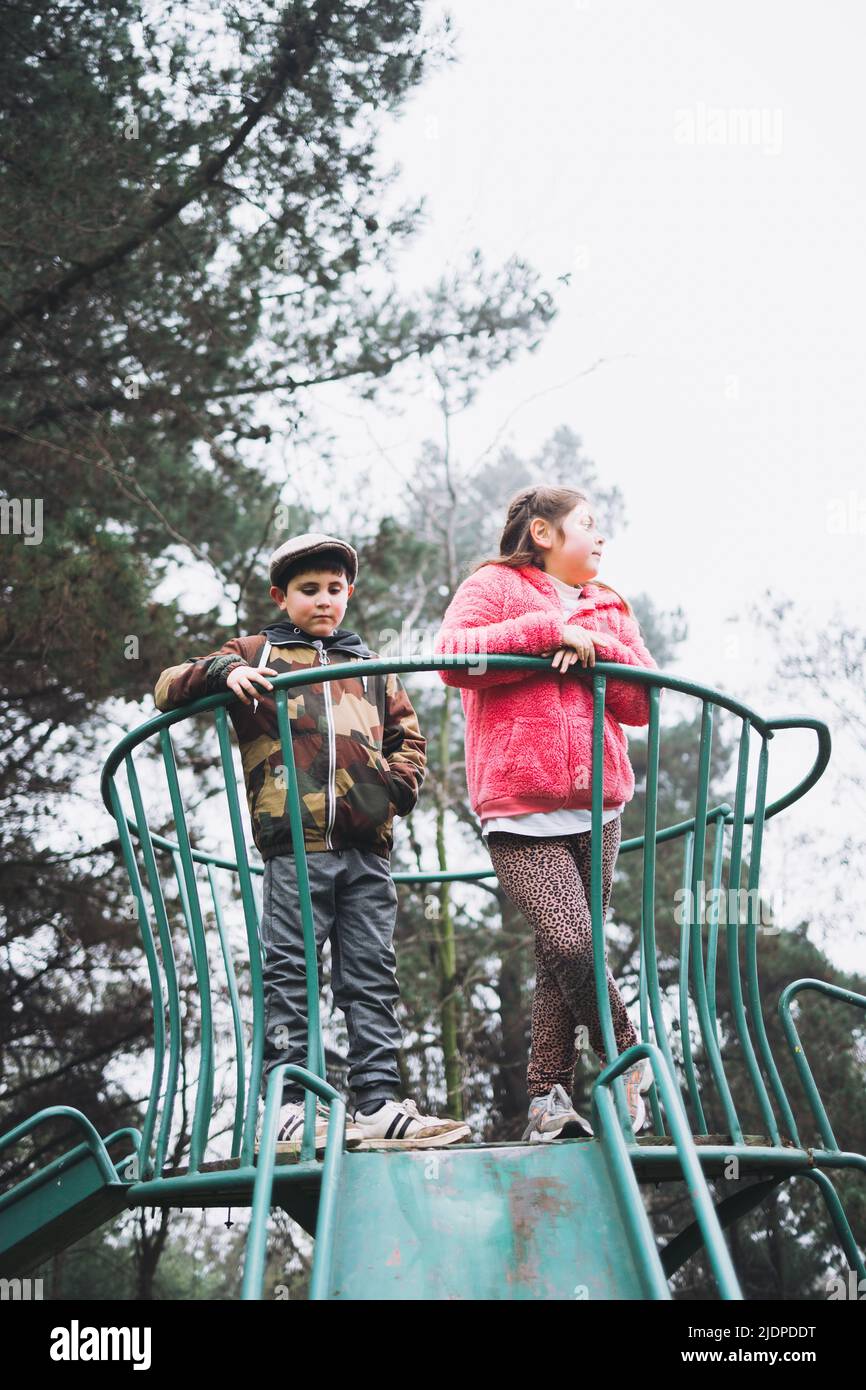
[
  {"x": 254, "y": 1267},
  {"x": 92, "y": 1143},
  {"x": 831, "y": 1152},
  {"x": 786, "y": 998},
  {"x": 622, "y": 1172},
  {"x": 705, "y": 1086}
]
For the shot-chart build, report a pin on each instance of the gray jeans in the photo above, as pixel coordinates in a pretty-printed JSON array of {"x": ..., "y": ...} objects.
[{"x": 354, "y": 902}]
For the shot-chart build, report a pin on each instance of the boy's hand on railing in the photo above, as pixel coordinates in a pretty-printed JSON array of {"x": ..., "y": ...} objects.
[{"x": 240, "y": 679}]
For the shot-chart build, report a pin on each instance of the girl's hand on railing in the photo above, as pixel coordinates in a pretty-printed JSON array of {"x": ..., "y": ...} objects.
[
  {"x": 240, "y": 678},
  {"x": 577, "y": 645}
]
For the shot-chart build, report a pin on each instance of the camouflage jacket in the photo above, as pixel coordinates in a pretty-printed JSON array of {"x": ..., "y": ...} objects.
[{"x": 359, "y": 753}]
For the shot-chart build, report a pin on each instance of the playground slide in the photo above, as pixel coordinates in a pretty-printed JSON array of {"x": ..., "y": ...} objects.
[
  {"x": 497, "y": 1221},
  {"x": 58, "y": 1205}
]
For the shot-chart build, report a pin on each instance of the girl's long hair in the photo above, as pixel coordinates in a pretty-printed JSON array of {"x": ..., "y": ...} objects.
[{"x": 518, "y": 550}]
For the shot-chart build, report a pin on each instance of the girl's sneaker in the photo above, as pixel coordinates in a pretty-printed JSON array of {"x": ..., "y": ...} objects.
[
  {"x": 291, "y": 1130},
  {"x": 553, "y": 1117},
  {"x": 398, "y": 1124},
  {"x": 638, "y": 1079}
]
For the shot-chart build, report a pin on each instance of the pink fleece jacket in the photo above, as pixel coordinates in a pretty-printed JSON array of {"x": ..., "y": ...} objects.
[{"x": 529, "y": 736}]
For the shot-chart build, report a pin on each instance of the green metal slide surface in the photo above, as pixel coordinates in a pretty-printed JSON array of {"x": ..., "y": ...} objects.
[
  {"x": 57, "y": 1205},
  {"x": 57, "y": 1214},
  {"x": 498, "y": 1221}
]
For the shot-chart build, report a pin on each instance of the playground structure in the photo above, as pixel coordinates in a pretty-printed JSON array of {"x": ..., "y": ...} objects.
[{"x": 477, "y": 1221}]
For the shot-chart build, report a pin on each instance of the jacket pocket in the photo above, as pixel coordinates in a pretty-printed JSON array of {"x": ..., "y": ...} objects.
[
  {"x": 617, "y": 777},
  {"x": 398, "y": 793},
  {"x": 364, "y": 790},
  {"x": 534, "y": 761}
]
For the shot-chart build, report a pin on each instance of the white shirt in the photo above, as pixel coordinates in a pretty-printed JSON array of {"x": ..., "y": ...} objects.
[{"x": 576, "y": 822}]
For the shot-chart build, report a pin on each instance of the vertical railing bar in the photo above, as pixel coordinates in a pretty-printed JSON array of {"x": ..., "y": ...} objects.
[
  {"x": 685, "y": 951},
  {"x": 315, "y": 1051},
  {"x": 697, "y": 902},
  {"x": 732, "y": 937},
  {"x": 696, "y": 875},
  {"x": 713, "y": 923},
  {"x": 840, "y": 1221},
  {"x": 168, "y": 964},
  {"x": 237, "y": 1027},
  {"x": 649, "y": 956},
  {"x": 597, "y": 898},
  {"x": 754, "y": 988},
  {"x": 194, "y": 956},
  {"x": 804, "y": 1071},
  {"x": 145, "y": 1156},
  {"x": 647, "y": 1032},
  {"x": 177, "y": 861},
  {"x": 254, "y": 941},
  {"x": 204, "y": 1091},
  {"x": 622, "y": 1171}
]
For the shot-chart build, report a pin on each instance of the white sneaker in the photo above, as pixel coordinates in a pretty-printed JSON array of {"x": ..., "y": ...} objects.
[
  {"x": 398, "y": 1124},
  {"x": 638, "y": 1080},
  {"x": 553, "y": 1117},
  {"x": 291, "y": 1130}
]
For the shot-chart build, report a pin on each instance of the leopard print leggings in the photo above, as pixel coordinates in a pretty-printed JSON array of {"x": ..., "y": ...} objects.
[{"x": 548, "y": 879}]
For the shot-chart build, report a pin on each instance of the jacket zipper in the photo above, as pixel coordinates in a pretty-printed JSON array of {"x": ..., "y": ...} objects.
[
  {"x": 331, "y": 789},
  {"x": 263, "y": 661}
]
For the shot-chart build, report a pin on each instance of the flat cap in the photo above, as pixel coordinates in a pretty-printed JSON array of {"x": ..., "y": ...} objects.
[{"x": 311, "y": 543}]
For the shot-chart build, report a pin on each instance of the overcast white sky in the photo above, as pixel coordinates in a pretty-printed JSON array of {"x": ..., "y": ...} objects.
[
  {"x": 698, "y": 169},
  {"x": 723, "y": 282}
]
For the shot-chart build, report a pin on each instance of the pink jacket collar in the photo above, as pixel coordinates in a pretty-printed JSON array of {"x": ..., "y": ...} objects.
[{"x": 592, "y": 597}]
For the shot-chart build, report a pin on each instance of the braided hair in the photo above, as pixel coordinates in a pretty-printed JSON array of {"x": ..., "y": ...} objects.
[{"x": 518, "y": 550}]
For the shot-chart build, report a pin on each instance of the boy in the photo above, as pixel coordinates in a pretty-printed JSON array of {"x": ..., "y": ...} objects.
[{"x": 361, "y": 759}]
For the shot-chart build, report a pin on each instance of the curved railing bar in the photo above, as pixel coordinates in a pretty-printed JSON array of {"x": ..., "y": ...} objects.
[
  {"x": 623, "y": 1176},
  {"x": 821, "y": 760},
  {"x": 842, "y": 1226},
  {"x": 650, "y": 988},
  {"x": 706, "y": 1022},
  {"x": 169, "y": 965},
  {"x": 251, "y": 923},
  {"x": 683, "y": 996},
  {"x": 237, "y": 1026},
  {"x": 848, "y": 996},
  {"x": 596, "y": 898},
  {"x": 713, "y": 923},
  {"x": 690, "y": 1239},
  {"x": 157, "y": 1006},
  {"x": 732, "y": 941},
  {"x": 670, "y": 832},
  {"x": 639, "y": 674},
  {"x": 254, "y": 1264},
  {"x": 192, "y": 914},
  {"x": 315, "y": 1042},
  {"x": 753, "y": 987},
  {"x": 92, "y": 1141},
  {"x": 65, "y": 1161}
]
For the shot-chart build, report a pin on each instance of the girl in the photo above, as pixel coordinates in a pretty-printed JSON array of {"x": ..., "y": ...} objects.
[{"x": 529, "y": 767}]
